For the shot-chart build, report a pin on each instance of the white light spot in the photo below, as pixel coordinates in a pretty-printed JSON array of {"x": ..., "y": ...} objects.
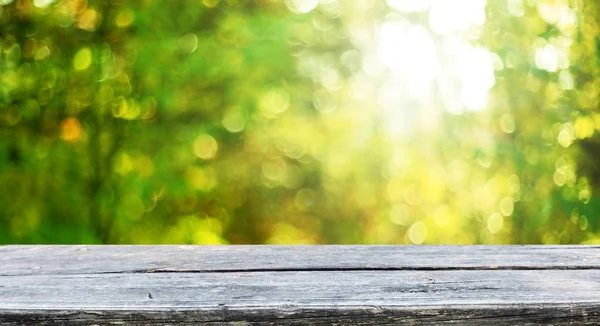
[
  {"x": 477, "y": 73},
  {"x": 409, "y": 5},
  {"x": 495, "y": 223},
  {"x": 42, "y": 3},
  {"x": 546, "y": 58},
  {"x": 515, "y": 7},
  {"x": 417, "y": 233},
  {"x": 446, "y": 16},
  {"x": 566, "y": 80},
  {"x": 549, "y": 13},
  {"x": 302, "y": 6},
  {"x": 408, "y": 50}
]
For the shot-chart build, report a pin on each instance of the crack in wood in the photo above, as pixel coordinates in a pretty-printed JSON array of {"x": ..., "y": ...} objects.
[
  {"x": 324, "y": 269},
  {"x": 357, "y": 269}
]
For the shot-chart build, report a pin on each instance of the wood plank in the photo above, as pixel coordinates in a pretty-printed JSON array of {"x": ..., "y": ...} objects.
[
  {"x": 558, "y": 314},
  {"x": 299, "y": 285},
  {"x": 23, "y": 260},
  {"x": 369, "y": 297}
]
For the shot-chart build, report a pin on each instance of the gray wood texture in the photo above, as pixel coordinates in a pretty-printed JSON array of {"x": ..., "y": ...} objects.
[{"x": 299, "y": 285}]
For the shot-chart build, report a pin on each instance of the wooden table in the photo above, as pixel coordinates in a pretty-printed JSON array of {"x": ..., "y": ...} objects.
[{"x": 299, "y": 285}]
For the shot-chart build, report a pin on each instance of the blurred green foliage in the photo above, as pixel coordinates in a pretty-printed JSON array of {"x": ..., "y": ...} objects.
[{"x": 299, "y": 121}]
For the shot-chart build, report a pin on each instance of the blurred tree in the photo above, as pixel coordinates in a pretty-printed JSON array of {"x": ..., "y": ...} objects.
[{"x": 298, "y": 121}]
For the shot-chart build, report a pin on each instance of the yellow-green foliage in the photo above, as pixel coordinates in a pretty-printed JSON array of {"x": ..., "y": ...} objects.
[{"x": 299, "y": 121}]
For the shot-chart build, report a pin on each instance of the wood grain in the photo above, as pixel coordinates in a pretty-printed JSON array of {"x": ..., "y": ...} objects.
[
  {"x": 299, "y": 285},
  {"x": 35, "y": 260}
]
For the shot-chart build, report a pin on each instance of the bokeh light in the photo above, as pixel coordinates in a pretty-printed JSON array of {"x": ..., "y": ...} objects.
[{"x": 299, "y": 121}]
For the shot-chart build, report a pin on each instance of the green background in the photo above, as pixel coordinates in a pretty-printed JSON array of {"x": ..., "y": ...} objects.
[{"x": 239, "y": 121}]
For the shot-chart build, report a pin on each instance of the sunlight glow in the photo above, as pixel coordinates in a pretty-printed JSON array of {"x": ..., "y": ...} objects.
[
  {"x": 477, "y": 73},
  {"x": 446, "y": 16},
  {"x": 462, "y": 72},
  {"x": 408, "y": 50},
  {"x": 409, "y": 5}
]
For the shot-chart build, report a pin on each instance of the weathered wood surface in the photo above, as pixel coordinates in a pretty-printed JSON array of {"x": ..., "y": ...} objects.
[
  {"x": 286, "y": 285},
  {"x": 23, "y": 260}
]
